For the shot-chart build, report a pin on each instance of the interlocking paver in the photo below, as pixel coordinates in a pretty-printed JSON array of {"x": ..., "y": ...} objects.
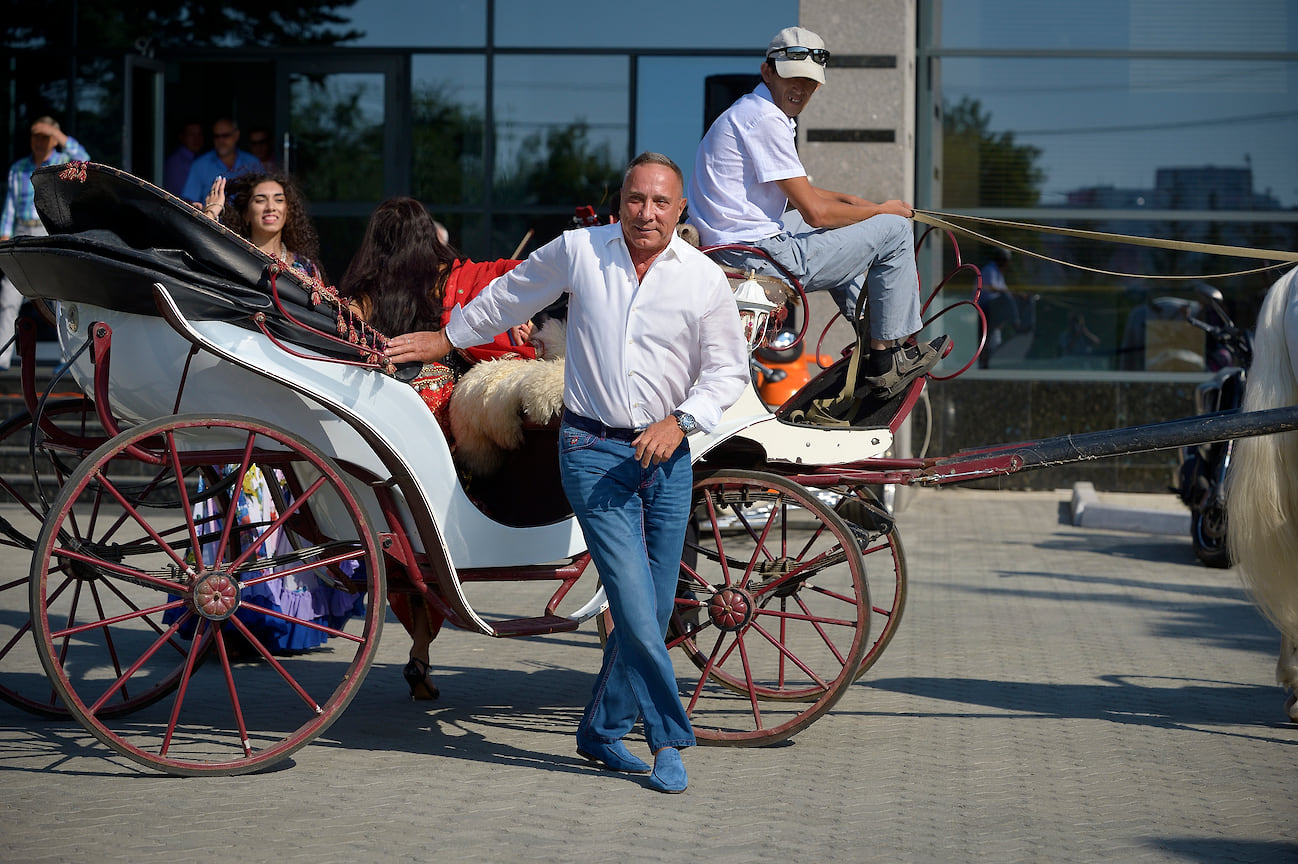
[{"x": 1053, "y": 694}]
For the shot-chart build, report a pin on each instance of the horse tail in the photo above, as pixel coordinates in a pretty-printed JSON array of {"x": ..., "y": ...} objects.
[{"x": 1262, "y": 486}]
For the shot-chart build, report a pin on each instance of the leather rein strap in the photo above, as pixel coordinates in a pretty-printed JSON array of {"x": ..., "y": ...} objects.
[{"x": 943, "y": 221}]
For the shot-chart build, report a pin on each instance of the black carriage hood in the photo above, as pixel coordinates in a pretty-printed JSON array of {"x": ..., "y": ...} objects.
[{"x": 113, "y": 235}]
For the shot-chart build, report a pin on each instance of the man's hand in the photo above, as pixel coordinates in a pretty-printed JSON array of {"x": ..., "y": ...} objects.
[
  {"x": 897, "y": 208},
  {"x": 658, "y": 442},
  {"x": 423, "y": 346}
]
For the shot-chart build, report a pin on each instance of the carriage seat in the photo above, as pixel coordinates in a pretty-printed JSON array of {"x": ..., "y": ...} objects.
[{"x": 504, "y": 417}]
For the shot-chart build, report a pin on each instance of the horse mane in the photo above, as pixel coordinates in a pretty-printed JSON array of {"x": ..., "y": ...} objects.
[{"x": 1262, "y": 483}]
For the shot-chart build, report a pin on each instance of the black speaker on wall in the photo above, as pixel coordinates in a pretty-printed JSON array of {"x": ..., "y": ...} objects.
[{"x": 721, "y": 91}]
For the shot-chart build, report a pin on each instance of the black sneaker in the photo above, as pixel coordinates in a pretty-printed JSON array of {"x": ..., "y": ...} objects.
[{"x": 906, "y": 364}]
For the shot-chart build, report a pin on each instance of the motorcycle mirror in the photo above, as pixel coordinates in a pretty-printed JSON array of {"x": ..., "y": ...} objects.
[{"x": 1210, "y": 293}]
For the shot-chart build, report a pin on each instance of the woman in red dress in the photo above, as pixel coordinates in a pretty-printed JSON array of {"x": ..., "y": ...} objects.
[{"x": 403, "y": 281}]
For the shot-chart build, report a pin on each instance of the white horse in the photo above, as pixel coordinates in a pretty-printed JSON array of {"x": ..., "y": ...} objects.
[{"x": 1262, "y": 486}]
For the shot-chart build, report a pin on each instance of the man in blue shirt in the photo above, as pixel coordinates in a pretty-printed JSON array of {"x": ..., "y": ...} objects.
[
  {"x": 225, "y": 159},
  {"x": 50, "y": 146}
]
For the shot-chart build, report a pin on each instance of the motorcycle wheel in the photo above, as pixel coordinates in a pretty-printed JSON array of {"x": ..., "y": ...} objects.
[{"x": 1208, "y": 536}]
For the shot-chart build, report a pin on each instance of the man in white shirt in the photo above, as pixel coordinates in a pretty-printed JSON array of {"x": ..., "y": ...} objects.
[
  {"x": 747, "y": 172},
  {"x": 655, "y": 350}
]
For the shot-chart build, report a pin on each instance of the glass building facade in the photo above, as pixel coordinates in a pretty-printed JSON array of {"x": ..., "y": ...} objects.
[
  {"x": 1167, "y": 118},
  {"x": 1174, "y": 120}
]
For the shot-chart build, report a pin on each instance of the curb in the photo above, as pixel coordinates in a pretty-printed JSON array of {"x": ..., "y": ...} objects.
[{"x": 1088, "y": 512}]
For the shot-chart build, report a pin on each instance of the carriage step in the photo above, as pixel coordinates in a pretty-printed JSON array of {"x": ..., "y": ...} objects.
[{"x": 538, "y": 626}]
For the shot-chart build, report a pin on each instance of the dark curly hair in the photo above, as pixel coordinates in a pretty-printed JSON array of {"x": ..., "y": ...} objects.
[
  {"x": 299, "y": 234},
  {"x": 400, "y": 270}
]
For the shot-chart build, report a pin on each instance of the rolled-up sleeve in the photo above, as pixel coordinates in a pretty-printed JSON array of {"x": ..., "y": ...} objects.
[
  {"x": 724, "y": 370},
  {"x": 511, "y": 299}
]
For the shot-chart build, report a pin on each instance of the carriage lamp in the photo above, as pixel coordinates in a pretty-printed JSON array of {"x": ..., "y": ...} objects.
[{"x": 754, "y": 309}]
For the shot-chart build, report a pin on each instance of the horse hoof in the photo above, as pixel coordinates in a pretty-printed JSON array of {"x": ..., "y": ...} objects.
[{"x": 1291, "y": 706}]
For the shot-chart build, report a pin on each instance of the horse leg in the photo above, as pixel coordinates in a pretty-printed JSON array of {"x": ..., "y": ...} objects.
[{"x": 1286, "y": 675}]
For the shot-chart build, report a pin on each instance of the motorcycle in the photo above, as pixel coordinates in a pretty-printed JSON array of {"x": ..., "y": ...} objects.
[{"x": 1203, "y": 467}]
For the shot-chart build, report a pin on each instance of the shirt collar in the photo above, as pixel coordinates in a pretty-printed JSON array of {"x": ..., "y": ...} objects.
[
  {"x": 761, "y": 91},
  {"x": 673, "y": 247}
]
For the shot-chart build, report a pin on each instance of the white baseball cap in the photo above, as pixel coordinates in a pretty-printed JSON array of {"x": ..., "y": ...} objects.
[{"x": 798, "y": 53}]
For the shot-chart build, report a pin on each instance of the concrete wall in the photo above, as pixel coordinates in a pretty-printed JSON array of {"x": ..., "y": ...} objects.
[{"x": 869, "y": 99}]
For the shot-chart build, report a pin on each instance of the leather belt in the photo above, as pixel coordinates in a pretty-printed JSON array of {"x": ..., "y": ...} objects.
[{"x": 594, "y": 427}]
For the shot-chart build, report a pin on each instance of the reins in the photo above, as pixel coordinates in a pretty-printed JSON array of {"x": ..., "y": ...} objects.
[{"x": 944, "y": 221}]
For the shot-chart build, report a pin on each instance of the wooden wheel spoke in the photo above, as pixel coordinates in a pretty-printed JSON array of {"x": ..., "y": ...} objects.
[
  {"x": 306, "y": 698},
  {"x": 148, "y": 652}
]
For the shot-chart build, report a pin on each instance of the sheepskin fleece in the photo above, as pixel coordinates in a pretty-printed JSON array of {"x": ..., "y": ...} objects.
[{"x": 492, "y": 400}]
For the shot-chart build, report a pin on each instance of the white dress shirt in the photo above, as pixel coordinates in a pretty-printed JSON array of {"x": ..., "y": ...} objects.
[
  {"x": 636, "y": 350},
  {"x": 733, "y": 194}
]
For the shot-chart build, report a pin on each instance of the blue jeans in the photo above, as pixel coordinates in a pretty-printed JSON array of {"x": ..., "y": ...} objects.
[
  {"x": 878, "y": 252},
  {"x": 633, "y": 519}
]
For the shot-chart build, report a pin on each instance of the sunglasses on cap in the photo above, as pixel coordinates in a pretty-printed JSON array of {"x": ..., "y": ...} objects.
[{"x": 819, "y": 56}]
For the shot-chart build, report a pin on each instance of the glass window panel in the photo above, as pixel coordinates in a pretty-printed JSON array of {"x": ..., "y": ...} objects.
[
  {"x": 39, "y": 86},
  {"x": 1135, "y": 25},
  {"x": 561, "y": 128},
  {"x": 670, "y": 102},
  {"x": 1108, "y": 133},
  {"x": 337, "y": 126},
  {"x": 448, "y": 111},
  {"x": 417, "y": 23},
  {"x": 668, "y": 24}
]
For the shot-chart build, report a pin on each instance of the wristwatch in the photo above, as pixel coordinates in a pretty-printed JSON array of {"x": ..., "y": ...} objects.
[{"x": 686, "y": 421}]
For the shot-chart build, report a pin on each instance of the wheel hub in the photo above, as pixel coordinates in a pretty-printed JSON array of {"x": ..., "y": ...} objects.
[
  {"x": 731, "y": 609},
  {"x": 216, "y": 596}
]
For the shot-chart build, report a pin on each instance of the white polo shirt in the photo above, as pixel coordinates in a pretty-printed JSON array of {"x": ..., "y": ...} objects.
[
  {"x": 733, "y": 197},
  {"x": 636, "y": 350}
]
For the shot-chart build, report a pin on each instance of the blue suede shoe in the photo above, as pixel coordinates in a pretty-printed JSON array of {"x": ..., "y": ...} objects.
[
  {"x": 614, "y": 757},
  {"x": 669, "y": 772}
]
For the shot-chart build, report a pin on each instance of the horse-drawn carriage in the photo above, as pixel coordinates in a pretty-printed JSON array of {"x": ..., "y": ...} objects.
[{"x": 196, "y": 358}]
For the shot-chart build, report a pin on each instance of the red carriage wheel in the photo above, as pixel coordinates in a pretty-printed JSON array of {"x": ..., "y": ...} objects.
[
  {"x": 773, "y": 618},
  {"x": 173, "y": 572},
  {"x": 37, "y": 460},
  {"x": 885, "y": 564}
]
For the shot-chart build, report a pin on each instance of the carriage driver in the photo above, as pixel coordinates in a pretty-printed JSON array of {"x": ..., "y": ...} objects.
[
  {"x": 747, "y": 172},
  {"x": 655, "y": 351}
]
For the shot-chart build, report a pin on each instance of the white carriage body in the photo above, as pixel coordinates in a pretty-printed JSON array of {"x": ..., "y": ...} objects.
[{"x": 244, "y": 372}]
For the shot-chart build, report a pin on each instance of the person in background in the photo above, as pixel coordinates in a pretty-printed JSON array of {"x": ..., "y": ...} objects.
[
  {"x": 655, "y": 351},
  {"x": 260, "y": 145},
  {"x": 225, "y": 159},
  {"x": 175, "y": 171},
  {"x": 50, "y": 146},
  {"x": 747, "y": 172}
]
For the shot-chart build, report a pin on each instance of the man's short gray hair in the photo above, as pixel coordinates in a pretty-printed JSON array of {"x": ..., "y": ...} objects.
[{"x": 651, "y": 158}]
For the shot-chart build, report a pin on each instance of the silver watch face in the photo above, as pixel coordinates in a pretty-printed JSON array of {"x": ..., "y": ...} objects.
[{"x": 686, "y": 421}]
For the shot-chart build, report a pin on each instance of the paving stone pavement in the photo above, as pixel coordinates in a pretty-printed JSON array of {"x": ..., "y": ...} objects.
[{"x": 1054, "y": 694}]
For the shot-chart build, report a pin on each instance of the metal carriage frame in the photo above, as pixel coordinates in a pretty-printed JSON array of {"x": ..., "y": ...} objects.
[{"x": 135, "y": 597}]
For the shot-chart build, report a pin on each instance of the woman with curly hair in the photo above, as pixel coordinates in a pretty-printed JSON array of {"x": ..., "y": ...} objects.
[{"x": 268, "y": 211}]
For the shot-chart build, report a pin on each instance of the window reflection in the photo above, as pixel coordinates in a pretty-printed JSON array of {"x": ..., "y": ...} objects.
[
  {"x": 668, "y": 23},
  {"x": 1101, "y": 132},
  {"x": 448, "y": 113},
  {"x": 1135, "y": 25},
  {"x": 1043, "y": 315},
  {"x": 337, "y": 127},
  {"x": 450, "y": 23},
  {"x": 561, "y": 128}
]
